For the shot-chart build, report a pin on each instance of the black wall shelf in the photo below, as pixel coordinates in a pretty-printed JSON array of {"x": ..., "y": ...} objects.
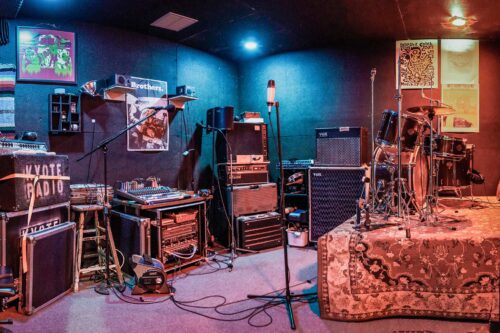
[{"x": 64, "y": 114}]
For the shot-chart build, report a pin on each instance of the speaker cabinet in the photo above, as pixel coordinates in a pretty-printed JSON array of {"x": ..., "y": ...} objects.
[
  {"x": 332, "y": 197},
  {"x": 220, "y": 118},
  {"x": 341, "y": 146},
  {"x": 50, "y": 255},
  {"x": 245, "y": 139},
  {"x": 13, "y": 225}
]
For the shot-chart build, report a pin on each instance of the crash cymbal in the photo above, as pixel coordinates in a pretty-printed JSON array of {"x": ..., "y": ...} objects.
[{"x": 438, "y": 110}]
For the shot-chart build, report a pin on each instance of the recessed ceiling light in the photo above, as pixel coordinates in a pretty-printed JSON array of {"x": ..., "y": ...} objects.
[
  {"x": 174, "y": 22},
  {"x": 458, "y": 21},
  {"x": 250, "y": 45}
]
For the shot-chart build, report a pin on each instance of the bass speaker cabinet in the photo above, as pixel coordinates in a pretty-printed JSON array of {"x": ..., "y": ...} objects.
[
  {"x": 220, "y": 118},
  {"x": 332, "y": 197},
  {"x": 341, "y": 146},
  {"x": 245, "y": 139},
  {"x": 50, "y": 255}
]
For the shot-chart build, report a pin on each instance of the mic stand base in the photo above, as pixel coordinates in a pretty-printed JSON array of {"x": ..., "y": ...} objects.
[{"x": 287, "y": 300}]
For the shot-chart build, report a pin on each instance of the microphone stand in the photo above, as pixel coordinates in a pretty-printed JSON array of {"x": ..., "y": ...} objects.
[
  {"x": 372, "y": 162},
  {"x": 103, "y": 288},
  {"x": 288, "y": 298}
]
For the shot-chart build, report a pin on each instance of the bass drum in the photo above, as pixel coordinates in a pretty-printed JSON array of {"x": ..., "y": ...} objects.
[{"x": 414, "y": 170}]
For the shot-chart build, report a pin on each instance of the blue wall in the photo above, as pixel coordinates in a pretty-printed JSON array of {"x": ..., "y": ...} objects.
[{"x": 103, "y": 51}]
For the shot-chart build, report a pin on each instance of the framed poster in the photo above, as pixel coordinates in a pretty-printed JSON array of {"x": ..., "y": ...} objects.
[
  {"x": 45, "y": 55},
  {"x": 417, "y": 63}
]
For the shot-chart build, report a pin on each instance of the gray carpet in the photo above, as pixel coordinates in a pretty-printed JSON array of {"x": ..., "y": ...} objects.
[{"x": 87, "y": 311}]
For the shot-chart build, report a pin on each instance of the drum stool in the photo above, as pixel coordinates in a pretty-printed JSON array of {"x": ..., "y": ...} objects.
[{"x": 96, "y": 234}]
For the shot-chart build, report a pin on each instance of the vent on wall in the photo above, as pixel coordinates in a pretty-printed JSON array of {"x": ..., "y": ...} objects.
[{"x": 174, "y": 22}]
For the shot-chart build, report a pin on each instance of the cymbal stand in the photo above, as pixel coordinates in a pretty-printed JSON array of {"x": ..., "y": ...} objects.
[
  {"x": 372, "y": 162},
  {"x": 430, "y": 200},
  {"x": 399, "y": 98}
]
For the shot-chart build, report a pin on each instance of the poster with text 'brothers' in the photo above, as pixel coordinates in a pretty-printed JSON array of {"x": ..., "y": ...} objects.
[{"x": 151, "y": 134}]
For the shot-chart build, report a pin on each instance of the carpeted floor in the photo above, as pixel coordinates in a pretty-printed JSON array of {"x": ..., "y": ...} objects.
[{"x": 262, "y": 273}]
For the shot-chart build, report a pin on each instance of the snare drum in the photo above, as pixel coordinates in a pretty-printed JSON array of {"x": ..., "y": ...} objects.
[
  {"x": 410, "y": 133},
  {"x": 446, "y": 147}
]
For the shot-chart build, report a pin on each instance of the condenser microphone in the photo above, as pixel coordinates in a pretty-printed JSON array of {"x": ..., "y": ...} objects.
[{"x": 271, "y": 92}]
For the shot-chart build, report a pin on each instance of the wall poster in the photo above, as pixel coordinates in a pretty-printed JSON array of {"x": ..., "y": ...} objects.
[
  {"x": 464, "y": 99},
  {"x": 152, "y": 134},
  {"x": 45, "y": 55},
  {"x": 418, "y": 63}
]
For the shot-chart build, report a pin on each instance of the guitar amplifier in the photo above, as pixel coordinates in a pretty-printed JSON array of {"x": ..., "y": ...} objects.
[
  {"x": 253, "y": 199},
  {"x": 244, "y": 174},
  {"x": 332, "y": 197},
  {"x": 50, "y": 255},
  {"x": 341, "y": 146},
  {"x": 13, "y": 225},
  {"x": 259, "y": 232},
  {"x": 17, "y": 190}
]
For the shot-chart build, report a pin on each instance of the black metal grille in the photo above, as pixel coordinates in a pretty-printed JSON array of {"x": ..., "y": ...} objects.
[{"x": 333, "y": 195}]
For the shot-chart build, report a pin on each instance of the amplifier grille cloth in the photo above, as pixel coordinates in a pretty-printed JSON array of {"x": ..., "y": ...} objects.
[
  {"x": 338, "y": 151},
  {"x": 249, "y": 200}
]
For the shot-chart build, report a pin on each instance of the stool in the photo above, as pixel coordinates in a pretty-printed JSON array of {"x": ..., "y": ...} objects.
[{"x": 97, "y": 234}]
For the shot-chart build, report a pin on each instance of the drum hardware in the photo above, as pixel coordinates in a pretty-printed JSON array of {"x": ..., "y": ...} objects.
[
  {"x": 372, "y": 175},
  {"x": 362, "y": 206}
]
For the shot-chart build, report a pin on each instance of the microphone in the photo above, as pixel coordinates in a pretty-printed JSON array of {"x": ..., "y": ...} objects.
[
  {"x": 373, "y": 73},
  {"x": 271, "y": 91}
]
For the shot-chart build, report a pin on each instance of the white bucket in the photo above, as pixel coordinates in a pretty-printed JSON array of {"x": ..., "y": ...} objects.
[{"x": 297, "y": 238}]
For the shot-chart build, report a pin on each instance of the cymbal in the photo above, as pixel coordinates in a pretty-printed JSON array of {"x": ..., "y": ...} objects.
[{"x": 438, "y": 110}]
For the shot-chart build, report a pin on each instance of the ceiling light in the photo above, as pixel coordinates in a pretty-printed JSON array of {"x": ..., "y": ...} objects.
[
  {"x": 458, "y": 21},
  {"x": 174, "y": 22},
  {"x": 250, "y": 45}
]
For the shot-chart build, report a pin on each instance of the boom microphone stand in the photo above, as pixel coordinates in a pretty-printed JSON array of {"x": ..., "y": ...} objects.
[
  {"x": 288, "y": 297},
  {"x": 103, "y": 288}
]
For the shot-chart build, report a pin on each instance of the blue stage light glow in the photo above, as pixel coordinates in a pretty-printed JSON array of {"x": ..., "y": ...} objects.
[{"x": 250, "y": 45}]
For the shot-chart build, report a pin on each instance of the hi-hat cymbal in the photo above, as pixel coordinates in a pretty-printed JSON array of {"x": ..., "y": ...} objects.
[{"x": 438, "y": 110}]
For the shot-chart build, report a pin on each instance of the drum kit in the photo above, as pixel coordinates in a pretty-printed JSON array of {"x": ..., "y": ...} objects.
[{"x": 426, "y": 169}]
